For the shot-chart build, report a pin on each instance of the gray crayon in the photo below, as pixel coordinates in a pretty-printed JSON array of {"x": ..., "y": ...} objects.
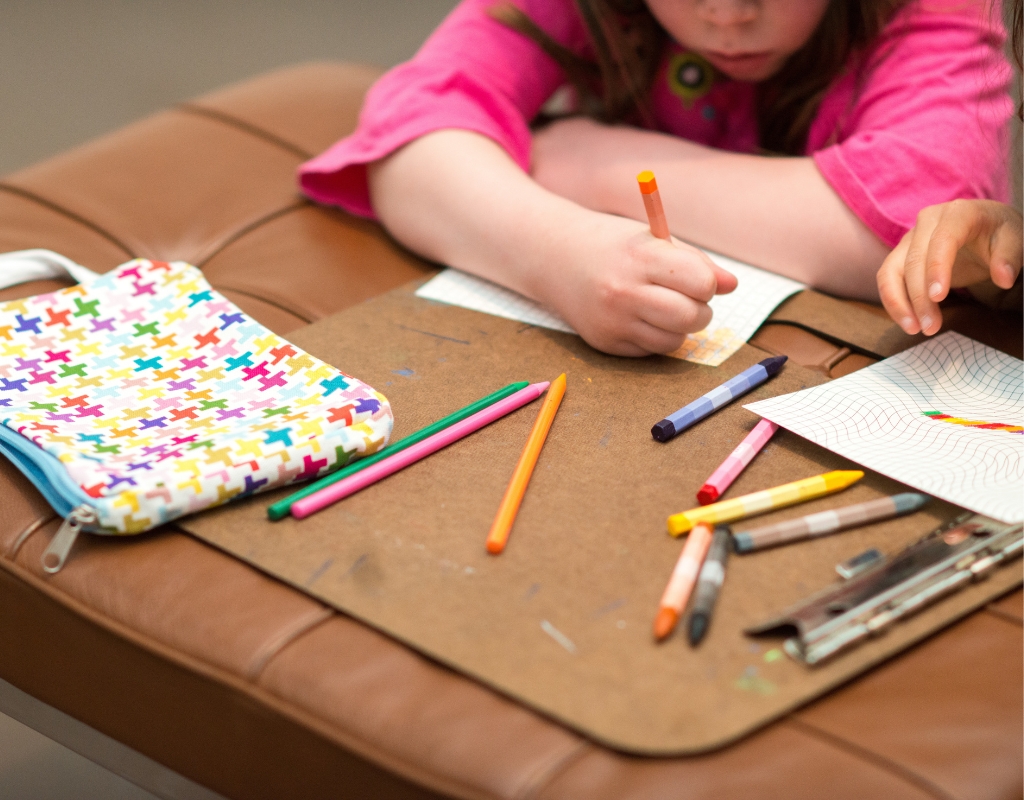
[{"x": 710, "y": 580}]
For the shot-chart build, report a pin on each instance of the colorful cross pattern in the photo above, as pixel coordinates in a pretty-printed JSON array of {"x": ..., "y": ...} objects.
[
  {"x": 162, "y": 398},
  {"x": 974, "y": 423}
]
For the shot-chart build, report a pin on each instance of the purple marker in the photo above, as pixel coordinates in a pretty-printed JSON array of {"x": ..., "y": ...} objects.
[{"x": 712, "y": 401}]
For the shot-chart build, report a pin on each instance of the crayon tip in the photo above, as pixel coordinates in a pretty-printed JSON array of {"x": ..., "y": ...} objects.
[
  {"x": 495, "y": 547},
  {"x": 698, "y": 627},
  {"x": 841, "y": 478},
  {"x": 541, "y": 387},
  {"x": 665, "y": 622},
  {"x": 774, "y": 364},
  {"x": 742, "y": 543},
  {"x": 648, "y": 185},
  {"x": 278, "y": 511},
  {"x": 909, "y": 501},
  {"x": 678, "y": 524},
  {"x": 663, "y": 431},
  {"x": 707, "y": 495}
]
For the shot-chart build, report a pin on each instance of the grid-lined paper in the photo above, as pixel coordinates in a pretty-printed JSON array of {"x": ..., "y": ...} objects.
[
  {"x": 458, "y": 288},
  {"x": 876, "y": 417},
  {"x": 736, "y": 316}
]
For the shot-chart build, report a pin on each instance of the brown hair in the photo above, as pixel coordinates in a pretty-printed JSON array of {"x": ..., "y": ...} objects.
[{"x": 628, "y": 44}]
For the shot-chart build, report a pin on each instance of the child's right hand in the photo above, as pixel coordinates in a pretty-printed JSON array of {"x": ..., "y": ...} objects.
[
  {"x": 951, "y": 245},
  {"x": 626, "y": 292}
]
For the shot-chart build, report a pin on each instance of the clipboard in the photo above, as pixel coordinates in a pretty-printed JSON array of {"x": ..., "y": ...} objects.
[{"x": 562, "y": 620}]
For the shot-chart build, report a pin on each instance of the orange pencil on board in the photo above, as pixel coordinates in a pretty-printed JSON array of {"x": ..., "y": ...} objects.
[
  {"x": 506, "y": 516},
  {"x": 684, "y": 578},
  {"x": 652, "y": 202}
]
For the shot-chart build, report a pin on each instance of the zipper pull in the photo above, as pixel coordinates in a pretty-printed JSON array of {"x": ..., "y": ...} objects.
[{"x": 57, "y": 553}]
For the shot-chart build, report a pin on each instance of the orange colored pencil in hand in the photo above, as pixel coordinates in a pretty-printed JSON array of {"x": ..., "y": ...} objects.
[
  {"x": 506, "y": 516},
  {"x": 684, "y": 576},
  {"x": 652, "y": 202}
]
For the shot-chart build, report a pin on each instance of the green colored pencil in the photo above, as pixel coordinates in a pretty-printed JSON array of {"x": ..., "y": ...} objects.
[{"x": 282, "y": 508}]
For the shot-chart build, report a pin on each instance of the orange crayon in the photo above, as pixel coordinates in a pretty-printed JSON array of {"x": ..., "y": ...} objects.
[
  {"x": 652, "y": 202},
  {"x": 498, "y": 536},
  {"x": 683, "y": 579}
]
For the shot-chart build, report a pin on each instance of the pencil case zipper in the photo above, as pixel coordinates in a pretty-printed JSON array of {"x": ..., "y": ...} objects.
[{"x": 49, "y": 476}]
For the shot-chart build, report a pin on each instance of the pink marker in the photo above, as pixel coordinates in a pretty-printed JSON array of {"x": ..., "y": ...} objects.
[
  {"x": 722, "y": 478},
  {"x": 343, "y": 488}
]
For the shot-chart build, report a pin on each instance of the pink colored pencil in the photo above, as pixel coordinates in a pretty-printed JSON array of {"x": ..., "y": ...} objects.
[
  {"x": 730, "y": 469},
  {"x": 343, "y": 488}
]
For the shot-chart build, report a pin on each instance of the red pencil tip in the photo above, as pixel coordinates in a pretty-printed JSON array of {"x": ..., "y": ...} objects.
[{"x": 707, "y": 495}]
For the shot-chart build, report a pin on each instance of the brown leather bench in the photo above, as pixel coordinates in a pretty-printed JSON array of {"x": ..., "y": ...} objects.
[{"x": 257, "y": 691}]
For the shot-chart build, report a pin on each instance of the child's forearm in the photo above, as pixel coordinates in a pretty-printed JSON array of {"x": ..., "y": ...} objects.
[
  {"x": 457, "y": 198},
  {"x": 778, "y": 213}
]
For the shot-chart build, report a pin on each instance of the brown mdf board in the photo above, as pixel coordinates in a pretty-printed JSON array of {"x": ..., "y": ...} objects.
[{"x": 561, "y": 621}]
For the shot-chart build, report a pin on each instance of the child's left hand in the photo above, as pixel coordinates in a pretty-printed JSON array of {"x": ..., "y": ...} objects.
[{"x": 951, "y": 245}]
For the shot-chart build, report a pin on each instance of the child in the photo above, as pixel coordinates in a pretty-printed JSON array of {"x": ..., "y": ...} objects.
[
  {"x": 881, "y": 106},
  {"x": 956, "y": 244}
]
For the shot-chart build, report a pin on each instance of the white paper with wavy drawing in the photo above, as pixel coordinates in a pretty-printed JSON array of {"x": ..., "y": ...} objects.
[{"x": 946, "y": 417}]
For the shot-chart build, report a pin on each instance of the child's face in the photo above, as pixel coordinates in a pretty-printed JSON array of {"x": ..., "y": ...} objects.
[{"x": 748, "y": 40}]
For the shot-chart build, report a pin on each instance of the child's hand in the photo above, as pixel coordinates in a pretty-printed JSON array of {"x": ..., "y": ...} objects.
[
  {"x": 626, "y": 292},
  {"x": 951, "y": 245}
]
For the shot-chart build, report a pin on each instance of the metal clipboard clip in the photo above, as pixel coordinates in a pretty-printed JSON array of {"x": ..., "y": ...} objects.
[{"x": 966, "y": 550}]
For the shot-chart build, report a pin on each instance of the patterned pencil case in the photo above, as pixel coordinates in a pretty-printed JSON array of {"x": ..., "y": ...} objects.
[{"x": 141, "y": 395}]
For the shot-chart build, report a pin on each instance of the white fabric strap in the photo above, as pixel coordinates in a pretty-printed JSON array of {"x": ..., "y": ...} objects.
[{"x": 22, "y": 266}]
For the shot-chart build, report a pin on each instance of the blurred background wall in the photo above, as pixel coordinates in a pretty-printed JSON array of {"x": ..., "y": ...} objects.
[{"x": 73, "y": 69}]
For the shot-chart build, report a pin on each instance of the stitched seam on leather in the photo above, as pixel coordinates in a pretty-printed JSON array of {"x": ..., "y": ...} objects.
[
  {"x": 546, "y": 773},
  {"x": 12, "y": 551},
  {"x": 247, "y": 127},
  {"x": 270, "y": 300},
  {"x": 204, "y": 258},
  {"x": 284, "y": 638},
  {"x": 298, "y": 714},
  {"x": 1005, "y": 616},
  {"x": 880, "y": 761},
  {"x": 7, "y": 187}
]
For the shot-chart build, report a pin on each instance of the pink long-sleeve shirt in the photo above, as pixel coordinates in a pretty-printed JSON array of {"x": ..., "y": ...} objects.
[{"x": 921, "y": 118}]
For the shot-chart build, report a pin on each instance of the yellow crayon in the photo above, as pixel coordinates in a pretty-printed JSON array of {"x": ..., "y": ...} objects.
[{"x": 750, "y": 505}]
